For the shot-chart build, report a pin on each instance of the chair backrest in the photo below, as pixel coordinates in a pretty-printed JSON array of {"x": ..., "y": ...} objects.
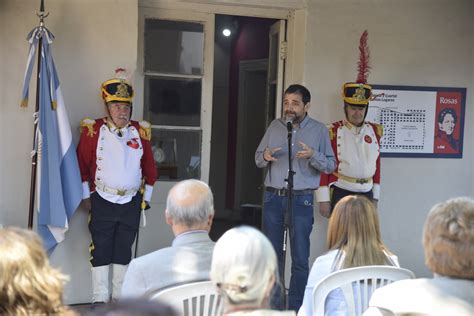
[
  {"x": 357, "y": 285},
  {"x": 192, "y": 299}
]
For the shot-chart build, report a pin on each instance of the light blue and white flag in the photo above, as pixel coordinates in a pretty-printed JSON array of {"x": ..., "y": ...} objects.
[{"x": 59, "y": 187}]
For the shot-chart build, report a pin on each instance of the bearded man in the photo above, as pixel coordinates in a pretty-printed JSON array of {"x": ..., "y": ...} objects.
[{"x": 311, "y": 155}]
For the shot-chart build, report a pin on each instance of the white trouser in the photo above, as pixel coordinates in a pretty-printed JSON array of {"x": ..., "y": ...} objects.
[
  {"x": 100, "y": 284},
  {"x": 118, "y": 274}
]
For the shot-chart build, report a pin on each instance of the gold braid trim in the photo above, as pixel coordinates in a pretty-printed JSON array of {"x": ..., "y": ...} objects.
[
  {"x": 89, "y": 123},
  {"x": 142, "y": 191},
  {"x": 145, "y": 130},
  {"x": 331, "y": 132},
  {"x": 379, "y": 129},
  {"x": 24, "y": 103}
]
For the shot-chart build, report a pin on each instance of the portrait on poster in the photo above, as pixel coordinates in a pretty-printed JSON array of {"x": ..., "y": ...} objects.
[
  {"x": 447, "y": 131},
  {"x": 419, "y": 121}
]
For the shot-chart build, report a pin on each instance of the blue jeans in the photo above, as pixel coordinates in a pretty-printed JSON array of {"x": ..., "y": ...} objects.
[{"x": 301, "y": 224}]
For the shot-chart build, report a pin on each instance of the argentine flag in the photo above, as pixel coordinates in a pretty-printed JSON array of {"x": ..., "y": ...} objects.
[{"x": 59, "y": 186}]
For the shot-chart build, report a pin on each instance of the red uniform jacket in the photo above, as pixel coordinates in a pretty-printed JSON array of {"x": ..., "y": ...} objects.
[
  {"x": 86, "y": 152},
  {"x": 328, "y": 179}
]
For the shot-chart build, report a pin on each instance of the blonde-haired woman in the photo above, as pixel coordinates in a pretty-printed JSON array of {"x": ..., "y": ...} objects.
[
  {"x": 28, "y": 284},
  {"x": 244, "y": 268},
  {"x": 353, "y": 240},
  {"x": 448, "y": 242}
]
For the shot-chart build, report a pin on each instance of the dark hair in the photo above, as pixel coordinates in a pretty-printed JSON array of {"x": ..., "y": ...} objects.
[
  {"x": 445, "y": 111},
  {"x": 132, "y": 307},
  {"x": 301, "y": 90}
]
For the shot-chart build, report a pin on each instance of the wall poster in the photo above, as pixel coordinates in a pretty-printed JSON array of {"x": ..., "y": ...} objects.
[{"x": 419, "y": 121}]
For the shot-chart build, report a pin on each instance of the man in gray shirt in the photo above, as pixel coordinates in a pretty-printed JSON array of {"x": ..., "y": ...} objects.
[
  {"x": 189, "y": 213},
  {"x": 311, "y": 155}
]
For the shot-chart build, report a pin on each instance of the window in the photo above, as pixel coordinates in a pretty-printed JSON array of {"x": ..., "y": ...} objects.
[
  {"x": 173, "y": 101},
  {"x": 173, "y": 73}
]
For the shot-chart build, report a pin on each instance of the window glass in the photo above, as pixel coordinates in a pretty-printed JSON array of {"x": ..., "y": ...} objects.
[
  {"x": 177, "y": 154},
  {"x": 172, "y": 101},
  {"x": 174, "y": 47}
]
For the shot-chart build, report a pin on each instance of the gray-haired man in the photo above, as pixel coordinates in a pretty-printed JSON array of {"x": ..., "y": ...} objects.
[{"x": 189, "y": 212}]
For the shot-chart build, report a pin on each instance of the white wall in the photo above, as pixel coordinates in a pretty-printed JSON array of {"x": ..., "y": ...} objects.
[
  {"x": 92, "y": 39},
  {"x": 419, "y": 43}
]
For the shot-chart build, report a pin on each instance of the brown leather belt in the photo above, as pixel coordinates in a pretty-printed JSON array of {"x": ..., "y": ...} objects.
[{"x": 284, "y": 192}]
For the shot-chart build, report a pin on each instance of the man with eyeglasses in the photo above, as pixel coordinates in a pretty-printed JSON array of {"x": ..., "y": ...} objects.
[{"x": 118, "y": 172}]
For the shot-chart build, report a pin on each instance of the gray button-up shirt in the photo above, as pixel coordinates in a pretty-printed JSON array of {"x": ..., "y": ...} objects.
[{"x": 312, "y": 133}]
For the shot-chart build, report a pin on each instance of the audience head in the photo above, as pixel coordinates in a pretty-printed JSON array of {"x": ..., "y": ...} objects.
[
  {"x": 244, "y": 268},
  {"x": 132, "y": 307},
  {"x": 28, "y": 284},
  {"x": 354, "y": 228},
  {"x": 190, "y": 204},
  {"x": 448, "y": 238}
]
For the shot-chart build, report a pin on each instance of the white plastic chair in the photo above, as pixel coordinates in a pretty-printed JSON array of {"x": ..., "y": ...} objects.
[
  {"x": 192, "y": 299},
  {"x": 357, "y": 286}
]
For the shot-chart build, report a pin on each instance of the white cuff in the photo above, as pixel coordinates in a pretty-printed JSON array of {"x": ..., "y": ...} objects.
[
  {"x": 322, "y": 194},
  {"x": 376, "y": 191},
  {"x": 86, "y": 192},
  {"x": 148, "y": 192}
]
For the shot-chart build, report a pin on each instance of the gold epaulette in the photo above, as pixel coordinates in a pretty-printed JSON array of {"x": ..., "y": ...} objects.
[
  {"x": 145, "y": 130},
  {"x": 331, "y": 132},
  {"x": 89, "y": 123},
  {"x": 379, "y": 129}
]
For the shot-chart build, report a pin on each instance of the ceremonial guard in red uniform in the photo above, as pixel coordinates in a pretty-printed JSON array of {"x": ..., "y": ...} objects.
[
  {"x": 116, "y": 161},
  {"x": 356, "y": 144}
]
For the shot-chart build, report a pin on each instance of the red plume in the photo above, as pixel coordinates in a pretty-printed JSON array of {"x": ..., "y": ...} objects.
[{"x": 364, "y": 56}]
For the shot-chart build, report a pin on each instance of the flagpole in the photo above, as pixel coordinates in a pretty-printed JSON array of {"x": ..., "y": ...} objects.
[{"x": 34, "y": 158}]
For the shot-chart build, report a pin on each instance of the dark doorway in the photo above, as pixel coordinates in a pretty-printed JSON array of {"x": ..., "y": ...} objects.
[{"x": 239, "y": 119}]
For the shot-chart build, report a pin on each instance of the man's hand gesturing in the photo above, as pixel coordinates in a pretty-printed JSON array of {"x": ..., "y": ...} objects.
[
  {"x": 268, "y": 153},
  {"x": 307, "y": 151}
]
